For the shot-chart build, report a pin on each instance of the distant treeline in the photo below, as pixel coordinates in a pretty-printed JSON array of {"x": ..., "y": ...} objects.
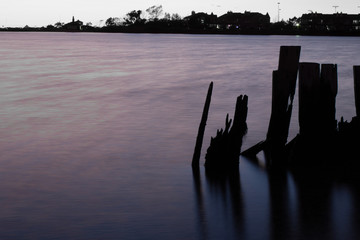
[{"x": 153, "y": 20}]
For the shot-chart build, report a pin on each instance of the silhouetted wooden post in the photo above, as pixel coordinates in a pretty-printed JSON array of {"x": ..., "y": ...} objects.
[
  {"x": 309, "y": 79},
  {"x": 239, "y": 127},
  {"x": 317, "y": 94},
  {"x": 283, "y": 91},
  {"x": 328, "y": 91},
  {"x": 316, "y": 143},
  {"x": 289, "y": 64},
  {"x": 200, "y": 136},
  {"x": 357, "y": 89}
]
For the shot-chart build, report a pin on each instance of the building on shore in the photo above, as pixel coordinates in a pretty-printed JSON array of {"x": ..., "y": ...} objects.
[
  {"x": 337, "y": 22},
  {"x": 74, "y": 25},
  {"x": 201, "y": 20},
  {"x": 246, "y": 21}
]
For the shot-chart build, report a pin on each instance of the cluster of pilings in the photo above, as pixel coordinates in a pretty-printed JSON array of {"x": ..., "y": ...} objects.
[
  {"x": 321, "y": 141},
  {"x": 224, "y": 150}
]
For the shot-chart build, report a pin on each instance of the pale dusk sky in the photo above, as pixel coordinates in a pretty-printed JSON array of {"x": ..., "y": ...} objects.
[{"x": 37, "y": 13}]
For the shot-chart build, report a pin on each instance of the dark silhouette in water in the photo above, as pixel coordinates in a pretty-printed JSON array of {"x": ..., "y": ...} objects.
[
  {"x": 311, "y": 217},
  {"x": 283, "y": 85},
  {"x": 321, "y": 142},
  {"x": 279, "y": 204},
  {"x": 314, "y": 205},
  {"x": 323, "y": 154},
  {"x": 224, "y": 150},
  {"x": 199, "y": 199},
  {"x": 200, "y": 136}
]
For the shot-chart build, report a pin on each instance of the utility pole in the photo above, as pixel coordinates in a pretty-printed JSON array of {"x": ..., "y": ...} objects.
[
  {"x": 278, "y": 11},
  {"x": 335, "y": 7}
]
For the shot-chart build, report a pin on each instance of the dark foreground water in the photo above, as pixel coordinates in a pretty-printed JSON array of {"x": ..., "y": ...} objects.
[{"x": 97, "y": 133}]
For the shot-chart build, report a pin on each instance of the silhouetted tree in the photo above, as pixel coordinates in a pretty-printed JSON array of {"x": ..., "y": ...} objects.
[
  {"x": 50, "y": 27},
  {"x": 110, "y": 22},
  {"x": 154, "y": 12},
  {"x": 167, "y": 17},
  {"x": 59, "y": 24},
  {"x": 175, "y": 17},
  {"x": 134, "y": 17}
]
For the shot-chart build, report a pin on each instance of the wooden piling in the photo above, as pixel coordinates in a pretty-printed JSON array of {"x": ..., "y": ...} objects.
[
  {"x": 317, "y": 97},
  {"x": 357, "y": 89},
  {"x": 283, "y": 91},
  {"x": 200, "y": 136},
  {"x": 289, "y": 64},
  {"x": 309, "y": 80},
  {"x": 327, "y": 99},
  {"x": 239, "y": 128},
  {"x": 277, "y": 132}
]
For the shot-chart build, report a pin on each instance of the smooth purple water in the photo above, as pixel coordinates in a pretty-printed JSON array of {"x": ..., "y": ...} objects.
[{"x": 97, "y": 133}]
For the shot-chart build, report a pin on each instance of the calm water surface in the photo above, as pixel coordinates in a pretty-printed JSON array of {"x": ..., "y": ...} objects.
[{"x": 97, "y": 133}]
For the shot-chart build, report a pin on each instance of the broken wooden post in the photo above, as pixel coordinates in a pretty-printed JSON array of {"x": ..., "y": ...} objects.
[
  {"x": 283, "y": 91},
  {"x": 284, "y": 85},
  {"x": 239, "y": 128},
  {"x": 357, "y": 89},
  {"x": 289, "y": 64},
  {"x": 224, "y": 150},
  {"x": 200, "y": 136}
]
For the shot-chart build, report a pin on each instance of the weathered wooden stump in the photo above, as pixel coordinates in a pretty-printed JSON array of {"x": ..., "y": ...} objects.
[{"x": 224, "y": 150}]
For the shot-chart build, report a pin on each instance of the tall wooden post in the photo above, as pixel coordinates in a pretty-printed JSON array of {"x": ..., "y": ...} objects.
[
  {"x": 283, "y": 91},
  {"x": 327, "y": 95},
  {"x": 317, "y": 94},
  {"x": 200, "y": 136},
  {"x": 289, "y": 64},
  {"x": 309, "y": 80},
  {"x": 357, "y": 89}
]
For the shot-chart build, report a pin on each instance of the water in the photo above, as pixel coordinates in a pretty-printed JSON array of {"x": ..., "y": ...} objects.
[{"x": 98, "y": 131}]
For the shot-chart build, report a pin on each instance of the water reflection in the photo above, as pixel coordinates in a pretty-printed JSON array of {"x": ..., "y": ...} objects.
[
  {"x": 302, "y": 205},
  {"x": 355, "y": 213},
  {"x": 314, "y": 204},
  {"x": 227, "y": 188},
  {"x": 199, "y": 203},
  {"x": 279, "y": 204}
]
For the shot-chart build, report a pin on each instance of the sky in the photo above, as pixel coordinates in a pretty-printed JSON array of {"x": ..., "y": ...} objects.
[{"x": 37, "y": 13}]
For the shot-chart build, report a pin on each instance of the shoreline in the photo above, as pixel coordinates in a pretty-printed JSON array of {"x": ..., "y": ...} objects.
[{"x": 191, "y": 32}]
